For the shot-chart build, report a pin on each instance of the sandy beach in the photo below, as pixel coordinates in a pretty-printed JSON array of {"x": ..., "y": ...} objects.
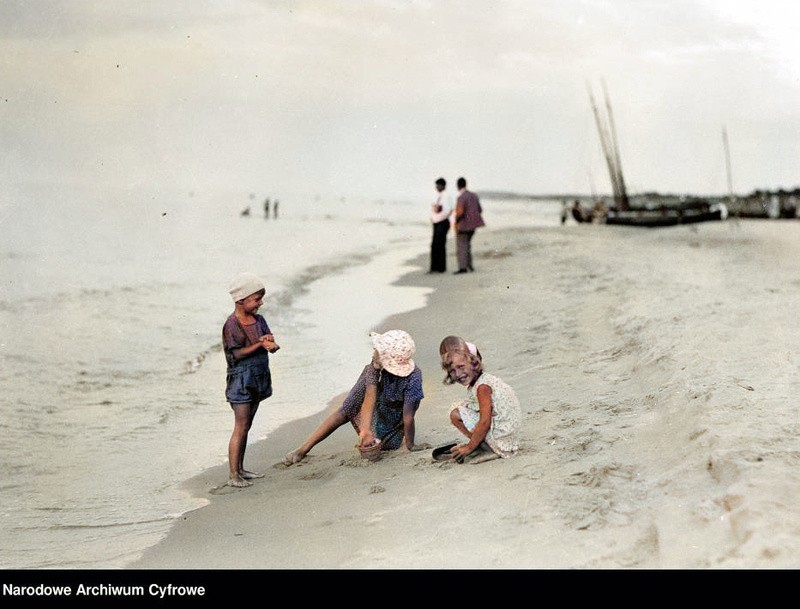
[{"x": 657, "y": 372}]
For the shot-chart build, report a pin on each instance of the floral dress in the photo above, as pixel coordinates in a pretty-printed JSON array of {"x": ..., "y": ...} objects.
[
  {"x": 503, "y": 434},
  {"x": 393, "y": 393}
]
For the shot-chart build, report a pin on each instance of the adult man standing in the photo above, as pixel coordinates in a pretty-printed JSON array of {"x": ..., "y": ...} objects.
[
  {"x": 440, "y": 219},
  {"x": 468, "y": 218}
]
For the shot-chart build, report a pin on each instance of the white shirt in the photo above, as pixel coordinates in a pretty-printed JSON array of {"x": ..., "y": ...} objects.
[{"x": 446, "y": 201}]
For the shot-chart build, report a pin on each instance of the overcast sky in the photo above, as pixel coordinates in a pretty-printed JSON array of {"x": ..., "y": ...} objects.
[{"x": 379, "y": 98}]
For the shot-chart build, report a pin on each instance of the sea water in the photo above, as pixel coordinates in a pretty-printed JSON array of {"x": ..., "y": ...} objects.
[{"x": 111, "y": 309}]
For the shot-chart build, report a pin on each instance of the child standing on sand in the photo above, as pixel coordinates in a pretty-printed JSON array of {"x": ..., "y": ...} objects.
[
  {"x": 490, "y": 416},
  {"x": 383, "y": 402},
  {"x": 247, "y": 342}
]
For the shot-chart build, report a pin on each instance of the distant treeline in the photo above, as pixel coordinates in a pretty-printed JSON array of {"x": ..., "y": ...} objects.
[{"x": 500, "y": 195}]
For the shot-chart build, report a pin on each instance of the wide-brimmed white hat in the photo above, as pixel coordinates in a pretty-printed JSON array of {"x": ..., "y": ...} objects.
[
  {"x": 245, "y": 284},
  {"x": 395, "y": 348}
]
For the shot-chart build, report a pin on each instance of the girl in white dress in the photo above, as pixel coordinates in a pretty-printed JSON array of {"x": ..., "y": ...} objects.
[{"x": 490, "y": 416}]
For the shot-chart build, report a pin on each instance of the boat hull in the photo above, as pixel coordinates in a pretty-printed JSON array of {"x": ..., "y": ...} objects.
[{"x": 656, "y": 218}]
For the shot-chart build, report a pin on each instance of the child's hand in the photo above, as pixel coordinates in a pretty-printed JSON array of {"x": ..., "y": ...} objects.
[
  {"x": 268, "y": 342},
  {"x": 460, "y": 451},
  {"x": 367, "y": 438}
]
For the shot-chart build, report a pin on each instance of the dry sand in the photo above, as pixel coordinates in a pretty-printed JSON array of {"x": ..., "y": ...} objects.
[{"x": 658, "y": 374}]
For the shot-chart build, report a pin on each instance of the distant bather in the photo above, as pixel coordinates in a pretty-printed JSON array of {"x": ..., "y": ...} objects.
[{"x": 577, "y": 212}]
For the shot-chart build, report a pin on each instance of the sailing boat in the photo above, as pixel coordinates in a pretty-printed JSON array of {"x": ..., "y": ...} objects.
[
  {"x": 695, "y": 210},
  {"x": 608, "y": 141}
]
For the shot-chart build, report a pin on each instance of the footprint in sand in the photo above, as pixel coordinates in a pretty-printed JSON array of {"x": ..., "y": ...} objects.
[
  {"x": 317, "y": 475},
  {"x": 226, "y": 489}
]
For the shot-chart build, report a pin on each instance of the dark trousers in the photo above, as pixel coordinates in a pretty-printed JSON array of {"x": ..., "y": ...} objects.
[
  {"x": 464, "y": 250},
  {"x": 439, "y": 246}
]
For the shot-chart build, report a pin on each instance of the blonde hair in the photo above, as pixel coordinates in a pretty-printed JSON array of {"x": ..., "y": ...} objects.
[{"x": 451, "y": 345}]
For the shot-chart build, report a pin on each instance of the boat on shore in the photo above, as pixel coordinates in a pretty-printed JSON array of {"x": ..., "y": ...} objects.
[
  {"x": 686, "y": 213},
  {"x": 650, "y": 212}
]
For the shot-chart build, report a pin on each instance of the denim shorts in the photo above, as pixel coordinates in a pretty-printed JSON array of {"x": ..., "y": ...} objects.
[{"x": 250, "y": 381}]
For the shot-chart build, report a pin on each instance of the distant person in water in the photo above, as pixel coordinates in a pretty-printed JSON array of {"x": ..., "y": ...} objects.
[
  {"x": 564, "y": 212},
  {"x": 441, "y": 210},
  {"x": 245, "y": 211},
  {"x": 247, "y": 342},
  {"x": 577, "y": 212},
  {"x": 275, "y": 209},
  {"x": 266, "y": 208},
  {"x": 467, "y": 219},
  {"x": 382, "y": 403}
]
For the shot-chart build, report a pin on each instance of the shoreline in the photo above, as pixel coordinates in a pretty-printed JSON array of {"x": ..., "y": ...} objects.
[
  {"x": 645, "y": 440},
  {"x": 269, "y": 451}
]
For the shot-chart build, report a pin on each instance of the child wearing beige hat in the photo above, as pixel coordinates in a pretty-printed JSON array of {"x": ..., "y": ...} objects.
[
  {"x": 382, "y": 403},
  {"x": 247, "y": 342}
]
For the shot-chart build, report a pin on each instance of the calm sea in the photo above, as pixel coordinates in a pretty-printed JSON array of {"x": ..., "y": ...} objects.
[{"x": 112, "y": 377}]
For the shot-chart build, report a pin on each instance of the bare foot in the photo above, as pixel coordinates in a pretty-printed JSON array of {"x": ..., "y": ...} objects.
[
  {"x": 294, "y": 457},
  {"x": 483, "y": 454},
  {"x": 250, "y": 475},
  {"x": 238, "y": 482},
  {"x": 482, "y": 457}
]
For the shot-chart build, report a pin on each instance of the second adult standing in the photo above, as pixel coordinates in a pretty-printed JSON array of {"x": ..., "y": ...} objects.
[{"x": 468, "y": 218}]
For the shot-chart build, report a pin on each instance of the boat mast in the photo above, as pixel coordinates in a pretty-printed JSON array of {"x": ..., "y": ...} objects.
[
  {"x": 623, "y": 203},
  {"x": 604, "y": 143},
  {"x": 727, "y": 161},
  {"x": 591, "y": 184},
  {"x": 610, "y": 150}
]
